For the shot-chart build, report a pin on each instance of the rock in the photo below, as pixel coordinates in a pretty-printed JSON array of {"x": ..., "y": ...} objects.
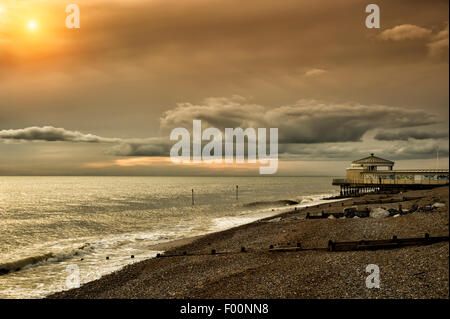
[
  {"x": 350, "y": 211},
  {"x": 363, "y": 214},
  {"x": 379, "y": 213},
  {"x": 427, "y": 208},
  {"x": 398, "y": 215},
  {"x": 393, "y": 211},
  {"x": 331, "y": 217},
  {"x": 438, "y": 205}
]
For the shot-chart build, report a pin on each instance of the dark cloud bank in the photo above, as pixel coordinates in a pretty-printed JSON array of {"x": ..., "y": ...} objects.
[{"x": 308, "y": 129}]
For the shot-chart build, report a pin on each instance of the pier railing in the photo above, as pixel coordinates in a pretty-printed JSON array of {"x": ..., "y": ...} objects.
[{"x": 343, "y": 181}]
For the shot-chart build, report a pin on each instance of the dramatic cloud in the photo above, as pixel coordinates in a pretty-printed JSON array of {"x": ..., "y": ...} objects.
[
  {"x": 141, "y": 147},
  {"x": 405, "y": 32},
  {"x": 401, "y": 150},
  {"x": 122, "y": 147},
  {"x": 437, "y": 43},
  {"x": 302, "y": 123},
  {"x": 410, "y": 134},
  {"x": 52, "y": 134},
  {"x": 307, "y": 121}
]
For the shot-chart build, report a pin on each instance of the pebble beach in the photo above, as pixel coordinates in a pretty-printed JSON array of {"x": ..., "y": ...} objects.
[{"x": 189, "y": 269}]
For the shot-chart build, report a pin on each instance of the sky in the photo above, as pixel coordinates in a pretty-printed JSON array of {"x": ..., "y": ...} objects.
[{"x": 103, "y": 99}]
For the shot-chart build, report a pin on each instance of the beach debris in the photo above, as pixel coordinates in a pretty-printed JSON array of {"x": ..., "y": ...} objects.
[
  {"x": 354, "y": 212},
  {"x": 397, "y": 215},
  {"x": 438, "y": 205},
  {"x": 393, "y": 211},
  {"x": 132, "y": 256},
  {"x": 107, "y": 257},
  {"x": 426, "y": 208},
  {"x": 350, "y": 212},
  {"x": 363, "y": 213},
  {"x": 430, "y": 207},
  {"x": 379, "y": 212},
  {"x": 274, "y": 220}
]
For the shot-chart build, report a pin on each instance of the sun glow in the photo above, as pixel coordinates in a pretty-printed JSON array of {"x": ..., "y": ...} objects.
[{"x": 32, "y": 25}]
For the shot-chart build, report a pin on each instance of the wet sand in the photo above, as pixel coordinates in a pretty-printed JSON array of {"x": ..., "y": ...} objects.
[{"x": 409, "y": 272}]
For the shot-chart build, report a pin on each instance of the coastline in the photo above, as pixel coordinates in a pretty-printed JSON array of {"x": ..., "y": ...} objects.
[
  {"x": 173, "y": 244},
  {"x": 259, "y": 273}
]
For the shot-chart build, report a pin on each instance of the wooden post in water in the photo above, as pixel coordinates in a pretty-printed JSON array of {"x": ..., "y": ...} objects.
[
  {"x": 192, "y": 197},
  {"x": 237, "y": 192}
]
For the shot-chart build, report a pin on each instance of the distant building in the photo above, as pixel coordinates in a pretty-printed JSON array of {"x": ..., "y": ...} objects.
[{"x": 378, "y": 173}]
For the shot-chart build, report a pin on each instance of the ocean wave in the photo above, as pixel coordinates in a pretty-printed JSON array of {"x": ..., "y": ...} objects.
[
  {"x": 283, "y": 202},
  {"x": 59, "y": 256}
]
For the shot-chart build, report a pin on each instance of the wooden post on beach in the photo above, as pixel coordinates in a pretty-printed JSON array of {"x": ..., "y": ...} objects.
[
  {"x": 237, "y": 192},
  {"x": 192, "y": 197}
]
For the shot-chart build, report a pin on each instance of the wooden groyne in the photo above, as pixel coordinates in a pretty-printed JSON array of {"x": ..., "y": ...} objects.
[
  {"x": 384, "y": 244},
  {"x": 333, "y": 246}
]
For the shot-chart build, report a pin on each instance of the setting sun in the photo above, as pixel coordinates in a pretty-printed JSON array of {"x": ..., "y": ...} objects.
[{"x": 32, "y": 25}]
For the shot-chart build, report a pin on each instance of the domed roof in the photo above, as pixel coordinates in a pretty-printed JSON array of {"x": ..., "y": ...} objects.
[{"x": 373, "y": 160}]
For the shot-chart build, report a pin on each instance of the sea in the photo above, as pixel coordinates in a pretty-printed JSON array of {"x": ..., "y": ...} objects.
[{"x": 49, "y": 225}]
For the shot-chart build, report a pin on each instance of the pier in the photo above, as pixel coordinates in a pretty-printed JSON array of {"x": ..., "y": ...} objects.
[{"x": 374, "y": 175}]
